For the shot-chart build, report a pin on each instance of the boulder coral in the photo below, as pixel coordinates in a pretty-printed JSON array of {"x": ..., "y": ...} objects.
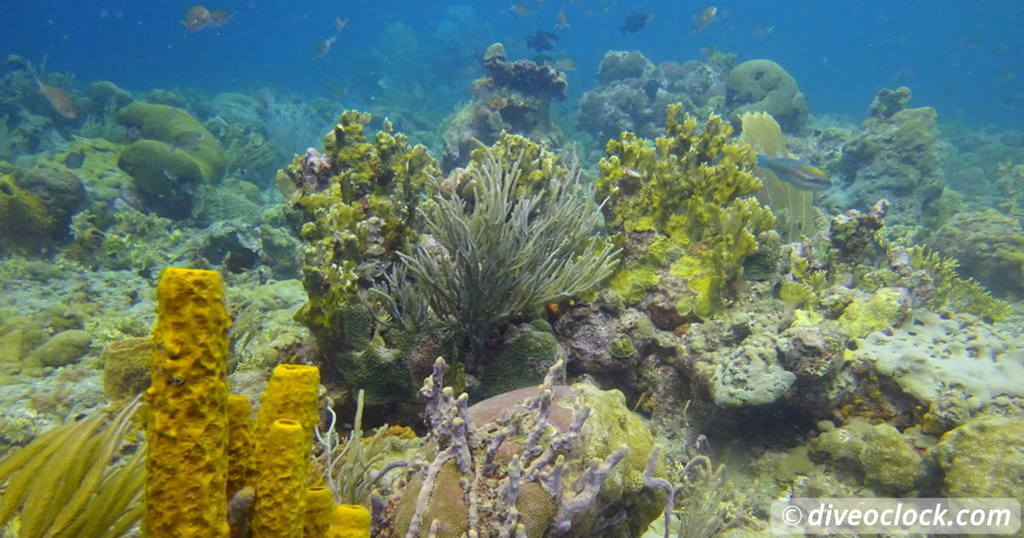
[
  {"x": 171, "y": 154},
  {"x": 894, "y": 155},
  {"x": 514, "y": 97},
  {"x": 764, "y": 86}
]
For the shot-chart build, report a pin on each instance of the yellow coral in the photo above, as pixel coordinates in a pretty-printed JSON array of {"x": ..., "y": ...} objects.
[
  {"x": 691, "y": 186},
  {"x": 187, "y": 433}
]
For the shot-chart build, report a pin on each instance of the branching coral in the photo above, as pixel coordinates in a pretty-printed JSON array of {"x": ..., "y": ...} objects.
[
  {"x": 496, "y": 253},
  {"x": 693, "y": 188},
  {"x": 518, "y": 476},
  {"x": 952, "y": 291}
]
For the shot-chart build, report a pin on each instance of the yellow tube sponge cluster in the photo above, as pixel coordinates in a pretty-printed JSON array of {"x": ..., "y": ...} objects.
[
  {"x": 187, "y": 434},
  {"x": 350, "y": 521},
  {"x": 240, "y": 463},
  {"x": 280, "y": 486},
  {"x": 291, "y": 398},
  {"x": 292, "y": 393}
]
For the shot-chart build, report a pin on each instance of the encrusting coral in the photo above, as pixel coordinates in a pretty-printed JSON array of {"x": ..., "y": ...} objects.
[{"x": 692, "y": 189}]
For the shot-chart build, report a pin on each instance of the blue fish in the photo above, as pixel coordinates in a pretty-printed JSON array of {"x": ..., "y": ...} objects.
[{"x": 800, "y": 174}]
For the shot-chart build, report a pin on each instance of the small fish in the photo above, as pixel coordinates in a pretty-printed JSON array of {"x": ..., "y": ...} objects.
[
  {"x": 340, "y": 24},
  {"x": 705, "y": 18},
  {"x": 636, "y": 22},
  {"x": 764, "y": 30},
  {"x": 562, "y": 23},
  {"x": 565, "y": 64},
  {"x": 323, "y": 48},
  {"x": 199, "y": 18},
  {"x": 800, "y": 174},
  {"x": 59, "y": 100},
  {"x": 519, "y": 10},
  {"x": 542, "y": 40},
  {"x": 188, "y": 141}
]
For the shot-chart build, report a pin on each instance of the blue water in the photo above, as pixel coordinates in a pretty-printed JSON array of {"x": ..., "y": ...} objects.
[{"x": 963, "y": 57}]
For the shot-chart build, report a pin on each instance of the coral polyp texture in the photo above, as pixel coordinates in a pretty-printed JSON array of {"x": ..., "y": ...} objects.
[{"x": 692, "y": 189}]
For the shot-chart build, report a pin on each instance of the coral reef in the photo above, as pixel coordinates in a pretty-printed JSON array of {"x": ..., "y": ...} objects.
[
  {"x": 989, "y": 247},
  {"x": 893, "y": 155},
  {"x": 514, "y": 97},
  {"x": 888, "y": 460},
  {"x": 632, "y": 94},
  {"x": 764, "y": 86},
  {"x": 512, "y": 213},
  {"x": 952, "y": 368},
  {"x": 526, "y": 463},
  {"x": 170, "y": 155},
  {"x": 793, "y": 208},
  {"x": 25, "y": 223},
  {"x": 689, "y": 187},
  {"x": 980, "y": 458}
]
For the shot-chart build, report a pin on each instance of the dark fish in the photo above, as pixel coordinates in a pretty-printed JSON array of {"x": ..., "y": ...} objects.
[
  {"x": 705, "y": 18},
  {"x": 800, "y": 174},
  {"x": 636, "y": 22},
  {"x": 59, "y": 100},
  {"x": 542, "y": 40}
]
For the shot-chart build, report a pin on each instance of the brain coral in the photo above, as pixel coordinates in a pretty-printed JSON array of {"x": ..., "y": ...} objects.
[{"x": 764, "y": 86}]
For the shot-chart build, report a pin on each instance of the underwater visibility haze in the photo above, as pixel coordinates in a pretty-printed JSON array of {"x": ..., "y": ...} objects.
[{"x": 588, "y": 268}]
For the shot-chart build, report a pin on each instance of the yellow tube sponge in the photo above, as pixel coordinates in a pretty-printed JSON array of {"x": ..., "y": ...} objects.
[
  {"x": 292, "y": 393},
  {"x": 350, "y": 521},
  {"x": 280, "y": 486},
  {"x": 240, "y": 464},
  {"x": 187, "y": 434},
  {"x": 319, "y": 511}
]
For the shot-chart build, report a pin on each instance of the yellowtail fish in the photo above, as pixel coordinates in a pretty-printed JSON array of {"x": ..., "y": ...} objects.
[
  {"x": 59, "y": 100},
  {"x": 800, "y": 174}
]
